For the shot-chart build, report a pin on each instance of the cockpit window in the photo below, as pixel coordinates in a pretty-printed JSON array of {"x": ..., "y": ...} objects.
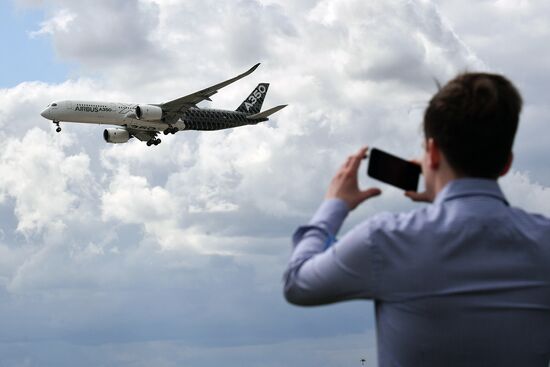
[{"x": 54, "y": 104}]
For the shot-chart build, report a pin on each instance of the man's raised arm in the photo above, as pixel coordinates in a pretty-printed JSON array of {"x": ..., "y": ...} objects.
[{"x": 319, "y": 270}]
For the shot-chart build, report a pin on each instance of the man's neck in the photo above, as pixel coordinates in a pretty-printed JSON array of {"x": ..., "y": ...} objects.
[{"x": 443, "y": 178}]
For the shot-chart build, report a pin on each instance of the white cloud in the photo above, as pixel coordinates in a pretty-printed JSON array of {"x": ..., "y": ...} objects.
[
  {"x": 59, "y": 23},
  {"x": 44, "y": 181},
  {"x": 522, "y": 191},
  {"x": 130, "y": 200}
]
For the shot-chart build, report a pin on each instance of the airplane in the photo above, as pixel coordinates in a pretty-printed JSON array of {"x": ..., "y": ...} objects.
[{"x": 145, "y": 121}]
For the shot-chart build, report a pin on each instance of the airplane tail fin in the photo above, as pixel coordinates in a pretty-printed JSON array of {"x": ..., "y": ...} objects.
[
  {"x": 253, "y": 103},
  {"x": 266, "y": 113}
]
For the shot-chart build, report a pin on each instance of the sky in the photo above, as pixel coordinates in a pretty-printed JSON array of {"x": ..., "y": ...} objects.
[{"x": 128, "y": 255}]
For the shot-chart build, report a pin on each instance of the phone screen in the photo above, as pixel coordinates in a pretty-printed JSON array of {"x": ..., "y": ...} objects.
[{"x": 393, "y": 170}]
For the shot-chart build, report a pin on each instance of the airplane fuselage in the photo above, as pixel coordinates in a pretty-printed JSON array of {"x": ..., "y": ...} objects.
[{"x": 122, "y": 114}]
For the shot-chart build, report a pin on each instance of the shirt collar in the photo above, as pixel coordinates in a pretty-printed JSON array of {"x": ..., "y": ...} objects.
[{"x": 464, "y": 187}]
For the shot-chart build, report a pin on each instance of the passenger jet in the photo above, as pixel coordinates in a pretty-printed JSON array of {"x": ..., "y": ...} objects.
[{"x": 145, "y": 121}]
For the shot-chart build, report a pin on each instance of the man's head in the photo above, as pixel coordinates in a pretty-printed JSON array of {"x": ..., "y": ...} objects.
[{"x": 472, "y": 121}]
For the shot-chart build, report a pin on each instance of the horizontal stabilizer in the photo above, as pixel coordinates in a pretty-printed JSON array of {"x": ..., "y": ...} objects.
[{"x": 266, "y": 113}]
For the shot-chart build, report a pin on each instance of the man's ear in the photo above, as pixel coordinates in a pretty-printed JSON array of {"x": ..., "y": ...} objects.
[
  {"x": 508, "y": 165},
  {"x": 434, "y": 154}
]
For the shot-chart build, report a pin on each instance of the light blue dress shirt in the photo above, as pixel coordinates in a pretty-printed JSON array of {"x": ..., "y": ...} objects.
[{"x": 464, "y": 281}]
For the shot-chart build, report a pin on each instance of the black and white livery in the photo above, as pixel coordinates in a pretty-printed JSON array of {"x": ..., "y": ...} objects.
[{"x": 146, "y": 121}]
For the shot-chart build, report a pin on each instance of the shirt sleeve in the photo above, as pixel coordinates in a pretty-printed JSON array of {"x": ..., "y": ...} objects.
[{"x": 322, "y": 271}]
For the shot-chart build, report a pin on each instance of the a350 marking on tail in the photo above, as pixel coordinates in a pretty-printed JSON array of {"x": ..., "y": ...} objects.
[{"x": 257, "y": 94}]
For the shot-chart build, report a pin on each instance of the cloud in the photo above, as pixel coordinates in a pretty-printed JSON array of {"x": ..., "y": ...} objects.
[
  {"x": 340, "y": 350},
  {"x": 93, "y": 33},
  {"x": 37, "y": 173},
  {"x": 59, "y": 23},
  {"x": 522, "y": 191},
  {"x": 410, "y": 43}
]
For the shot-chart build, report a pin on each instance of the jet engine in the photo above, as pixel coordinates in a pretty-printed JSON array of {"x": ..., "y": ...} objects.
[
  {"x": 148, "y": 113},
  {"x": 116, "y": 136}
]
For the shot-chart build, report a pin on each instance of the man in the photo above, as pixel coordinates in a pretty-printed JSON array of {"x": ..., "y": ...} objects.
[{"x": 464, "y": 281}]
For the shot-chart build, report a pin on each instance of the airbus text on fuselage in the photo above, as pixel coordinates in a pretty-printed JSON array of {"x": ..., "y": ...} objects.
[{"x": 145, "y": 121}]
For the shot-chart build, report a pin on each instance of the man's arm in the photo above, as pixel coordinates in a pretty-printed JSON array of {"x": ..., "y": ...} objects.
[{"x": 320, "y": 272}]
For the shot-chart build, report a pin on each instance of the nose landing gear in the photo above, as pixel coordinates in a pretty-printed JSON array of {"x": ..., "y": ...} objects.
[{"x": 56, "y": 123}]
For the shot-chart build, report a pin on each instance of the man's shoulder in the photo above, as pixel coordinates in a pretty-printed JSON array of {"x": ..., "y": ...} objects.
[
  {"x": 411, "y": 221},
  {"x": 523, "y": 217},
  {"x": 446, "y": 220}
]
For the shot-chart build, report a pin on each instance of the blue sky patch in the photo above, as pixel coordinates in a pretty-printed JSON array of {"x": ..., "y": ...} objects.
[{"x": 26, "y": 58}]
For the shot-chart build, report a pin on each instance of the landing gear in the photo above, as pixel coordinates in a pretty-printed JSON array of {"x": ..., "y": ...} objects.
[
  {"x": 171, "y": 130},
  {"x": 56, "y": 123},
  {"x": 153, "y": 142}
]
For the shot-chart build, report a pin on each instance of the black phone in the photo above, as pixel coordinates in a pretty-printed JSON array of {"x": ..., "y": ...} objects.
[{"x": 393, "y": 170}]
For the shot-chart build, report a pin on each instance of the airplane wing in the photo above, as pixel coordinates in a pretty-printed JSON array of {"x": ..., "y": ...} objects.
[{"x": 184, "y": 103}]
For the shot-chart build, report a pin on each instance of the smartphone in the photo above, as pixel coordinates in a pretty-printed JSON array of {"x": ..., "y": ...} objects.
[{"x": 393, "y": 170}]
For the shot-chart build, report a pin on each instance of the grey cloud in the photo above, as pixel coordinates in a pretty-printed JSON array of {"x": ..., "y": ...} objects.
[
  {"x": 103, "y": 34},
  {"x": 409, "y": 43},
  {"x": 304, "y": 352},
  {"x": 140, "y": 295},
  {"x": 509, "y": 37}
]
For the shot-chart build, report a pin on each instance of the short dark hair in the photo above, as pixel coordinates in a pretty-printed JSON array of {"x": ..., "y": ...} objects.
[{"x": 474, "y": 119}]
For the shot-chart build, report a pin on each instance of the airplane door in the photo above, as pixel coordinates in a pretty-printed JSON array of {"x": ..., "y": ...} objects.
[{"x": 66, "y": 109}]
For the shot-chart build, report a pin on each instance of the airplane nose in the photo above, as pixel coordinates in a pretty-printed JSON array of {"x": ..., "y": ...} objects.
[{"x": 45, "y": 113}]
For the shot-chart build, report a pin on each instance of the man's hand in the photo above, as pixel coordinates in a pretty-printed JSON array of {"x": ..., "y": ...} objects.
[
  {"x": 345, "y": 186},
  {"x": 426, "y": 196}
]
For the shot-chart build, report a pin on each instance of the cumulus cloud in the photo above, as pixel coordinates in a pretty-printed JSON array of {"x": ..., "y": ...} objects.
[
  {"x": 37, "y": 174},
  {"x": 187, "y": 241},
  {"x": 522, "y": 191}
]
